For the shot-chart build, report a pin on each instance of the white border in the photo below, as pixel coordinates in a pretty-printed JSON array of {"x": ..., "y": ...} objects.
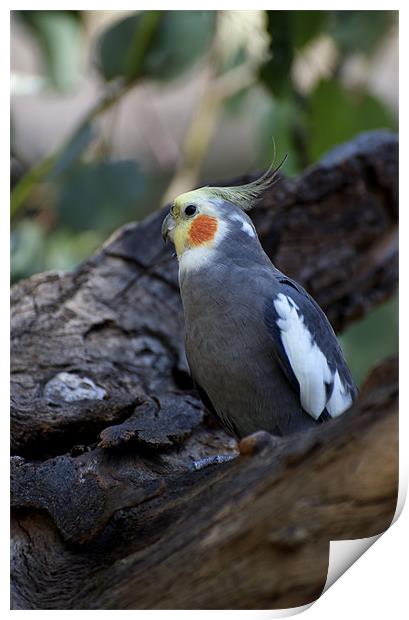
[{"x": 376, "y": 584}]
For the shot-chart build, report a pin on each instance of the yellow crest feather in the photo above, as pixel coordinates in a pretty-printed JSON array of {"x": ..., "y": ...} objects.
[{"x": 247, "y": 196}]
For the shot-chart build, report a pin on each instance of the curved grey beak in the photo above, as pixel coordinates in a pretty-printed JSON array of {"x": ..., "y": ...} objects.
[{"x": 168, "y": 227}]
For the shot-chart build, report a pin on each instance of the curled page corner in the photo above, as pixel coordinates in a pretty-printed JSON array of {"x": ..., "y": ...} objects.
[
  {"x": 344, "y": 553},
  {"x": 285, "y": 613}
]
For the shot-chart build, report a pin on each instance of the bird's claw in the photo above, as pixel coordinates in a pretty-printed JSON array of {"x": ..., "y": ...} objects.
[{"x": 254, "y": 443}]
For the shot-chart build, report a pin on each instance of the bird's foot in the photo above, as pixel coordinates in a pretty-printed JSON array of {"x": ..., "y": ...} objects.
[
  {"x": 256, "y": 442},
  {"x": 252, "y": 444},
  {"x": 216, "y": 459}
]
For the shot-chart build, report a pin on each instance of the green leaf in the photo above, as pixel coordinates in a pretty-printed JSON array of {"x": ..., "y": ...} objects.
[
  {"x": 27, "y": 250},
  {"x": 234, "y": 104},
  {"x": 307, "y": 25},
  {"x": 99, "y": 196},
  {"x": 122, "y": 49},
  {"x": 64, "y": 249},
  {"x": 336, "y": 115},
  {"x": 27, "y": 184},
  {"x": 34, "y": 250},
  {"x": 277, "y": 128},
  {"x": 51, "y": 166},
  {"x": 155, "y": 44},
  {"x": 76, "y": 145},
  {"x": 59, "y": 34},
  {"x": 360, "y": 31},
  {"x": 183, "y": 37},
  {"x": 275, "y": 73},
  {"x": 368, "y": 342}
]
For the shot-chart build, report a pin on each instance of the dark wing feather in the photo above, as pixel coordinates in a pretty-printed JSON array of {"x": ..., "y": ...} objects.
[{"x": 308, "y": 351}]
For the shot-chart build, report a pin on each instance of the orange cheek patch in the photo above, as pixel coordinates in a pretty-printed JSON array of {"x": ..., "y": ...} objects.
[{"x": 203, "y": 229}]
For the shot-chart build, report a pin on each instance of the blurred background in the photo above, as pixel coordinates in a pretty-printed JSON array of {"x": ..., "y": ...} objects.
[{"x": 114, "y": 112}]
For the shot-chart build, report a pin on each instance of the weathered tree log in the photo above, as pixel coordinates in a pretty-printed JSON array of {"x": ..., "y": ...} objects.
[{"x": 107, "y": 511}]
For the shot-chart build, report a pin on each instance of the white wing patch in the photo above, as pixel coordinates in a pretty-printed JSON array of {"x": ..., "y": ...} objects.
[
  {"x": 309, "y": 364},
  {"x": 340, "y": 399},
  {"x": 245, "y": 225}
]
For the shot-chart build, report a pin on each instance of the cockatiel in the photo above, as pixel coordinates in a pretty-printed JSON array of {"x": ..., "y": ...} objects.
[{"x": 259, "y": 348}]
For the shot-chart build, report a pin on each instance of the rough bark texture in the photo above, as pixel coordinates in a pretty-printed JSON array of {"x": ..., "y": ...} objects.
[{"x": 107, "y": 510}]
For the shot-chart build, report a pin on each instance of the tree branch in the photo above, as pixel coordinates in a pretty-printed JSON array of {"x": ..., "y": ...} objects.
[{"x": 107, "y": 511}]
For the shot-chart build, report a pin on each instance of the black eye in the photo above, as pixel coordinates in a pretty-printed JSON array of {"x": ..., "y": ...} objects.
[{"x": 190, "y": 210}]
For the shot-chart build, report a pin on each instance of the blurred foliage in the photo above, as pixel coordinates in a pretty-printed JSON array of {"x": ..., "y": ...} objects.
[
  {"x": 358, "y": 31},
  {"x": 369, "y": 341},
  {"x": 65, "y": 206},
  {"x": 59, "y": 35},
  {"x": 149, "y": 44},
  {"x": 332, "y": 112},
  {"x": 336, "y": 115},
  {"x": 95, "y": 193}
]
